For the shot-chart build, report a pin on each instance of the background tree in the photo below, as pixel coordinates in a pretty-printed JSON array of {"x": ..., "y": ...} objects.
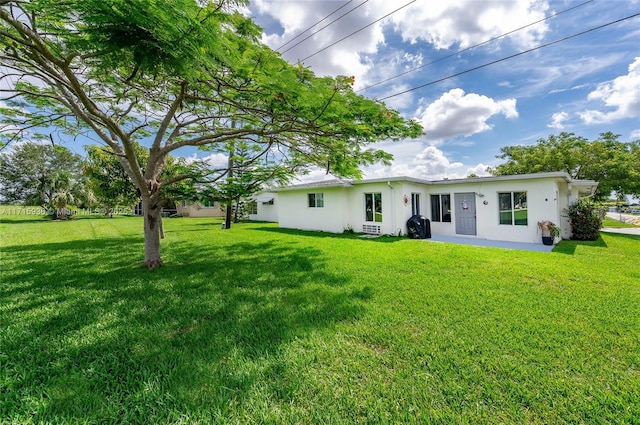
[
  {"x": 177, "y": 73},
  {"x": 614, "y": 164},
  {"x": 245, "y": 176},
  {"x": 42, "y": 174},
  {"x": 113, "y": 187},
  {"x": 108, "y": 180}
]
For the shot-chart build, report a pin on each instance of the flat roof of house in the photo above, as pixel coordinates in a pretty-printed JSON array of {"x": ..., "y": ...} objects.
[
  {"x": 589, "y": 185},
  {"x": 312, "y": 185}
]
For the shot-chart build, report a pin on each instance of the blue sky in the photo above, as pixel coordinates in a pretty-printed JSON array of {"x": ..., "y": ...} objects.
[
  {"x": 431, "y": 58},
  {"x": 587, "y": 84}
]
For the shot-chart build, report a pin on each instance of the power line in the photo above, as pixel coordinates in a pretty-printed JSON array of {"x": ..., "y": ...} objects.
[
  {"x": 337, "y": 19},
  {"x": 510, "y": 57},
  {"x": 357, "y": 31},
  {"x": 472, "y": 47},
  {"x": 308, "y": 29}
]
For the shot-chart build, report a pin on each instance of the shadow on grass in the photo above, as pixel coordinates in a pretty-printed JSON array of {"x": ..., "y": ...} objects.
[
  {"x": 21, "y": 219},
  {"x": 569, "y": 246},
  {"x": 318, "y": 234},
  {"x": 89, "y": 337},
  {"x": 14, "y": 220}
]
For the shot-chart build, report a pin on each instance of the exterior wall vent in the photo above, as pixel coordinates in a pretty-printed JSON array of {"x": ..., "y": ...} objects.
[{"x": 371, "y": 229}]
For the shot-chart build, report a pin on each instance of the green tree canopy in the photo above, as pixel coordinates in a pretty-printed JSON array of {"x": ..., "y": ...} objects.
[
  {"x": 614, "y": 164},
  {"x": 173, "y": 74},
  {"x": 41, "y": 174}
]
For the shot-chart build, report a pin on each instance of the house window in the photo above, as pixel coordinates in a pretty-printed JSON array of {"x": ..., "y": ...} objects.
[
  {"x": 513, "y": 208},
  {"x": 252, "y": 207},
  {"x": 208, "y": 204},
  {"x": 415, "y": 204},
  {"x": 441, "y": 208},
  {"x": 316, "y": 200},
  {"x": 373, "y": 207},
  {"x": 269, "y": 202},
  {"x": 184, "y": 204}
]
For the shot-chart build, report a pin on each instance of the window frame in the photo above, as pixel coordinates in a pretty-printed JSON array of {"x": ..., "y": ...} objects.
[
  {"x": 373, "y": 200},
  {"x": 252, "y": 206},
  {"x": 511, "y": 209},
  {"x": 315, "y": 200},
  {"x": 438, "y": 212}
]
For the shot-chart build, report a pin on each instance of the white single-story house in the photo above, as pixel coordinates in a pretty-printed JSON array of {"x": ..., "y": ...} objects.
[
  {"x": 506, "y": 208},
  {"x": 200, "y": 209}
]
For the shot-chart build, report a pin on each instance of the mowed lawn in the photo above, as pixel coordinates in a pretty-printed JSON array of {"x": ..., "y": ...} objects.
[{"x": 263, "y": 325}]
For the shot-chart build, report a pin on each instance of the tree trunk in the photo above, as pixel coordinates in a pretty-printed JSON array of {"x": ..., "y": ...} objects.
[
  {"x": 151, "y": 234},
  {"x": 228, "y": 216}
]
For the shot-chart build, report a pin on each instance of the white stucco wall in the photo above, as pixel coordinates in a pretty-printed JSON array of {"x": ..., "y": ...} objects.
[
  {"x": 266, "y": 212},
  {"x": 345, "y": 206},
  {"x": 403, "y": 206},
  {"x": 563, "y": 202},
  {"x": 542, "y": 200},
  {"x": 357, "y": 213},
  {"x": 294, "y": 212}
]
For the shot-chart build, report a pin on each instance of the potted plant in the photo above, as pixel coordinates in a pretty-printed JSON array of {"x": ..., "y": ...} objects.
[{"x": 550, "y": 231}]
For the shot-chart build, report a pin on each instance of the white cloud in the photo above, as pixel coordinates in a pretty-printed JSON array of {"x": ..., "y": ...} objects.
[
  {"x": 441, "y": 24},
  {"x": 430, "y": 163},
  {"x": 467, "y": 23},
  {"x": 479, "y": 170},
  {"x": 557, "y": 119},
  {"x": 458, "y": 114},
  {"x": 213, "y": 160},
  {"x": 315, "y": 174},
  {"x": 635, "y": 134},
  {"x": 622, "y": 95},
  {"x": 343, "y": 57}
]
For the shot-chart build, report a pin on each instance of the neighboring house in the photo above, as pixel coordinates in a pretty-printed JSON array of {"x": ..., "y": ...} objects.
[
  {"x": 200, "y": 209},
  {"x": 504, "y": 208},
  {"x": 167, "y": 211}
]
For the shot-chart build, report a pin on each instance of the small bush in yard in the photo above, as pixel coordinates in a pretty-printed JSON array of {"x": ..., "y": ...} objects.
[{"x": 585, "y": 220}]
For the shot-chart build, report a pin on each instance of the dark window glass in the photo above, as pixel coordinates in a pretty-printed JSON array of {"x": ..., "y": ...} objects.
[
  {"x": 446, "y": 208},
  {"x": 435, "y": 208},
  {"x": 415, "y": 203}
]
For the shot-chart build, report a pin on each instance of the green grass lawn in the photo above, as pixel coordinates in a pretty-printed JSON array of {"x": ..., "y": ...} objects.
[
  {"x": 261, "y": 325},
  {"x": 610, "y": 222}
]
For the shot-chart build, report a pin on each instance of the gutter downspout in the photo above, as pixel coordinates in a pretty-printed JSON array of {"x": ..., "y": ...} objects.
[{"x": 393, "y": 208}]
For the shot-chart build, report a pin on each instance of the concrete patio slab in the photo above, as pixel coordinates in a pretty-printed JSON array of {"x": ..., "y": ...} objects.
[{"x": 539, "y": 247}]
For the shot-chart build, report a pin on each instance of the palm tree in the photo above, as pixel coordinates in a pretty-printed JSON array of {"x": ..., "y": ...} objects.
[{"x": 60, "y": 200}]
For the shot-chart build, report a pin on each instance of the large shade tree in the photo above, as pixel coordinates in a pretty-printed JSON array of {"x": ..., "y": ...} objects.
[
  {"x": 612, "y": 163},
  {"x": 173, "y": 74}
]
